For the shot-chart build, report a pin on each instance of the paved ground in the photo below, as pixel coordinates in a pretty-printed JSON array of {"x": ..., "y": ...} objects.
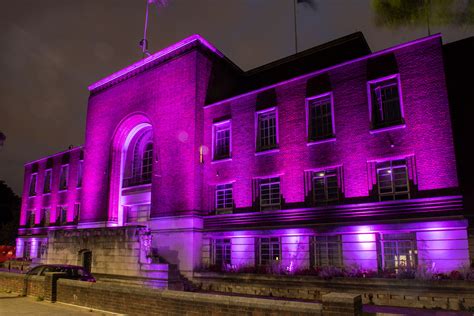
[{"x": 11, "y": 304}]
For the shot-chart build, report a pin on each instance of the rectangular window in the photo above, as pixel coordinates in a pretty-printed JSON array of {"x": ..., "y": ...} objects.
[
  {"x": 270, "y": 195},
  {"x": 47, "y": 181},
  {"x": 45, "y": 217},
  {"x": 224, "y": 198},
  {"x": 33, "y": 179},
  {"x": 30, "y": 218},
  {"x": 137, "y": 213},
  {"x": 26, "y": 249},
  {"x": 399, "y": 251},
  {"x": 392, "y": 180},
  {"x": 79, "y": 174},
  {"x": 385, "y": 105},
  {"x": 64, "y": 177},
  {"x": 269, "y": 250},
  {"x": 325, "y": 186},
  {"x": 62, "y": 215},
  {"x": 39, "y": 249},
  {"x": 221, "y": 252},
  {"x": 222, "y": 140},
  {"x": 320, "y": 118},
  {"x": 267, "y": 137},
  {"x": 77, "y": 212},
  {"x": 327, "y": 251}
]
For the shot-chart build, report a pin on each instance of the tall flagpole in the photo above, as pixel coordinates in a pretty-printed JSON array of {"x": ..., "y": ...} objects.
[
  {"x": 296, "y": 29},
  {"x": 144, "y": 42}
]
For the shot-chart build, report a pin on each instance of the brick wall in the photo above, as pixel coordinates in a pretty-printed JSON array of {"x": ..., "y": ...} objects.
[
  {"x": 443, "y": 294},
  {"x": 137, "y": 301},
  {"x": 427, "y": 134},
  {"x": 13, "y": 282}
]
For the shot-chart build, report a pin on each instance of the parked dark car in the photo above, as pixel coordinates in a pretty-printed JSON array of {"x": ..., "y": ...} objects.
[{"x": 72, "y": 272}]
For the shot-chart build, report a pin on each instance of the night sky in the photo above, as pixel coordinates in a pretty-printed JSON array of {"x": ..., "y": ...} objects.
[{"x": 51, "y": 50}]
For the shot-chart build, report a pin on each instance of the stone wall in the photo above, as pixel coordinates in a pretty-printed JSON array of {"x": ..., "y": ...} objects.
[
  {"x": 444, "y": 294},
  {"x": 153, "y": 302},
  {"x": 118, "y": 251}
]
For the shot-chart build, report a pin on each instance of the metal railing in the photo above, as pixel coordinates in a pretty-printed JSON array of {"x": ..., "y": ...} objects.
[{"x": 137, "y": 180}]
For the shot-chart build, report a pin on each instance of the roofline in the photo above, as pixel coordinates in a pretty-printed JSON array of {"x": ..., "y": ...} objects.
[
  {"x": 311, "y": 74},
  {"x": 54, "y": 155},
  {"x": 187, "y": 41}
]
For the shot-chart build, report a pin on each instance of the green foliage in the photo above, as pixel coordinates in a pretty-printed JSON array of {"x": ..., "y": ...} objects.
[
  {"x": 9, "y": 214},
  {"x": 398, "y": 13}
]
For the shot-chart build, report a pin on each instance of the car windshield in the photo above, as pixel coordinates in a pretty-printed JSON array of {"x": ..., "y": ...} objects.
[{"x": 34, "y": 271}]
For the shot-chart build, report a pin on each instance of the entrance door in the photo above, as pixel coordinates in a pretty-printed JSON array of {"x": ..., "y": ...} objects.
[{"x": 87, "y": 260}]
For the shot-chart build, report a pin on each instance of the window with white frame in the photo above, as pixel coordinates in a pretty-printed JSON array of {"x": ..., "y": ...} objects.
[
  {"x": 222, "y": 140},
  {"x": 320, "y": 118},
  {"x": 327, "y": 251},
  {"x": 386, "y": 109},
  {"x": 325, "y": 186},
  {"x": 33, "y": 179},
  {"x": 63, "y": 178},
  {"x": 270, "y": 195},
  {"x": 267, "y": 130},
  {"x": 141, "y": 166},
  {"x": 269, "y": 250},
  {"x": 221, "y": 252},
  {"x": 392, "y": 180},
  {"x": 224, "y": 197},
  {"x": 399, "y": 251},
  {"x": 79, "y": 173},
  {"x": 47, "y": 181}
]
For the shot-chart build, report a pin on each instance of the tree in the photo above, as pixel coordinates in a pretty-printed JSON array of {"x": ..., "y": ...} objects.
[
  {"x": 397, "y": 13},
  {"x": 9, "y": 214},
  {"x": 2, "y": 139}
]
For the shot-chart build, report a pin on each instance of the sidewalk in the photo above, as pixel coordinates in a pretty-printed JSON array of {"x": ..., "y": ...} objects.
[{"x": 12, "y": 304}]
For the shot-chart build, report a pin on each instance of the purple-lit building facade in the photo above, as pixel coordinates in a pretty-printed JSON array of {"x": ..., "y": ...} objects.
[{"x": 335, "y": 156}]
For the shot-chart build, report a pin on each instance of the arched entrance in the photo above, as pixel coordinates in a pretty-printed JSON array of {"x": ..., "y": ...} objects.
[{"x": 132, "y": 172}]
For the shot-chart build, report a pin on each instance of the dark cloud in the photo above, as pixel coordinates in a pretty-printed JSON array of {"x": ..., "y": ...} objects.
[{"x": 52, "y": 50}]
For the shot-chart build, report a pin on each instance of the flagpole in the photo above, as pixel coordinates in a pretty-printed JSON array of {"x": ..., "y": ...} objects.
[
  {"x": 144, "y": 42},
  {"x": 296, "y": 30}
]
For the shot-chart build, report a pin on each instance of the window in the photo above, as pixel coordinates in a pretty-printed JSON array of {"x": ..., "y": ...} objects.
[
  {"x": 320, "y": 118},
  {"x": 325, "y": 186},
  {"x": 392, "y": 180},
  {"x": 222, "y": 139},
  {"x": 224, "y": 197},
  {"x": 62, "y": 215},
  {"x": 269, "y": 250},
  {"x": 26, "y": 249},
  {"x": 327, "y": 251},
  {"x": 63, "y": 177},
  {"x": 79, "y": 174},
  {"x": 77, "y": 212},
  {"x": 267, "y": 137},
  {"x": 33, "y": 184},
  {"x": 30, "y": 219},
  {"x": 45, "y": 217},
  {"x": 39, "y": 249},
  {"x": 399, "y": 251},
  {"x": 270, "y": 197},
  {"x": 137, "y": 213},
  {"x": 147, "y": 162},
  {"x": 385, "y": 106},
  {"x": 221, "y": 252},
  {"x": 47, "y": 181}
]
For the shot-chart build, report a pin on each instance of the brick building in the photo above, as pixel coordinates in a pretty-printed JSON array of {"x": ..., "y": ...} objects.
[{"x": 334, "y": 156}]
